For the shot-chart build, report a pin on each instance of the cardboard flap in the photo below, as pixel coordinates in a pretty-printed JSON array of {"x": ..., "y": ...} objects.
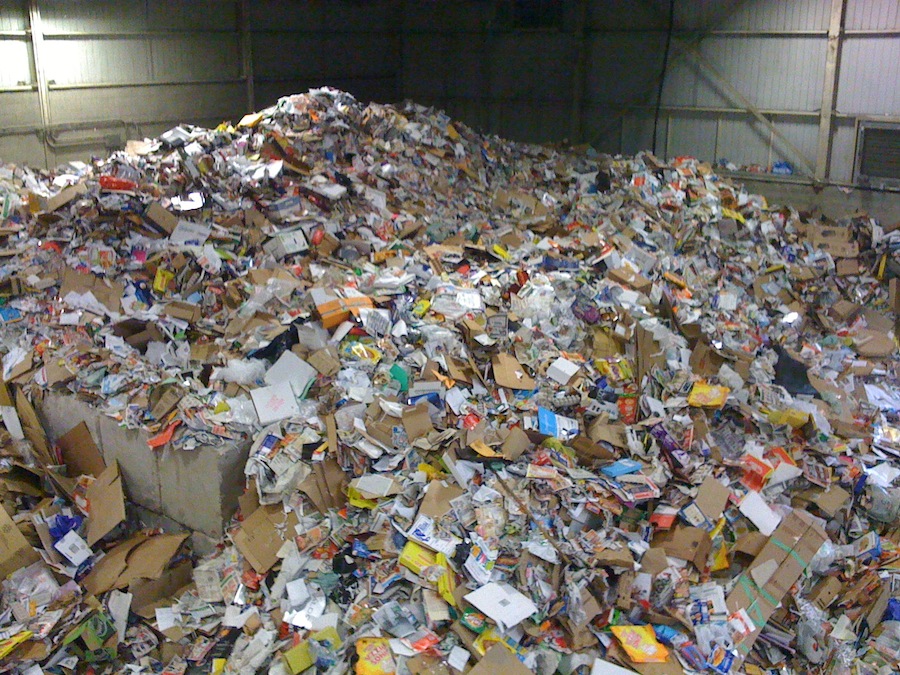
[
  {"x": 15, "y": 551},
  {"x": 80, "y": 453},
  {"x": 261, "y": 536},
  {"x": 499, "y": 660},
  {"x": 417, "y": 421},
  {"x": 326, "y": 486},
  {"x": 106, "y": 500},
  {"x": 150, "y": 559},
  {"x": 109, "y": 568},
  {"x": 150, "y": 593},
  {"x": 509, "y": 373},
  {"x": 712, "y": 498},
  {"x": 436, "y": 503}
]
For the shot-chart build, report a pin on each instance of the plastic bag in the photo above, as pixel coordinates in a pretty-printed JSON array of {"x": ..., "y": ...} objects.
[
  {"x": 640, "y": 643},
  {"x": 241, "y": 371}
]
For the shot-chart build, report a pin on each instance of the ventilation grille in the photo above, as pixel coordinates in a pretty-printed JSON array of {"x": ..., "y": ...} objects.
[{"x": 878, "y": 154}]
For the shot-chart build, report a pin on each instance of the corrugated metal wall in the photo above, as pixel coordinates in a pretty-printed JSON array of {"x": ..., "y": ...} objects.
[
  {"x": 114, "y": 69},
  {"x": 588, "y": 73},
  {"x": 772, "y": 52}
]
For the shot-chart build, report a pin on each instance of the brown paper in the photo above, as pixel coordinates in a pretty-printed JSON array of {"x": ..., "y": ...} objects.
[
  {"x": 509, "y": 373},
  {"x": 80, "y": 453},
  {"x": 262, "y": 535},
  {"x": 106, "y": 500}
]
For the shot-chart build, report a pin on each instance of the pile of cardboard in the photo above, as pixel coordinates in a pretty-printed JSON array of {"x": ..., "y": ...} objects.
[{"x": 501, "y": 417}]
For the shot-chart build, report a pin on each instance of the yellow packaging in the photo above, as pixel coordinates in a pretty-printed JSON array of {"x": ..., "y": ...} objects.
[
  {"x": 486, "y": 640},
  {"x": 640, "y": 643},
  {"x": 720, "y": 559},
  {"x": 374, "y": 657},
  {"x": 728, "y": 213},
  {"x": 416, "y": 558},
  {"x": 791, "y": 416},
  {"x": 328, "y": 636},
  {"x": 447, "y": 583},
  {"x": 299, "y": 658},
  {"x": 705, "y": 395},
  {"x": 356, "y": 499},
  {"x": 9, "y": 644},
  {"x": 162, "y": 279}
]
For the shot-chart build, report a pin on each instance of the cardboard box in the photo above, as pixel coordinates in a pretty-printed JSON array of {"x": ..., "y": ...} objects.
[
  {"x": 284, "y": 244},
  {"x": 333, "y": 310},
  {"x": 185, "y": 311},
  {"x": 626, "y": 277},
  {"x": 687, "y": 543},
  {"x": 138, "y": 333},
  {"x": 847, "y": 267},
  {"x": 94, "y": 639},
  {"x": 779, "y": 564},
  {"x": 824, "y": 592},
  {"x": 161, "y": 218}
]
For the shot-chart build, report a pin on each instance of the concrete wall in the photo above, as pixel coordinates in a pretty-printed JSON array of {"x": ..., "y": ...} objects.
[
  {"x": 198, "y": 489},
  {"x": 536, "y": 70}
]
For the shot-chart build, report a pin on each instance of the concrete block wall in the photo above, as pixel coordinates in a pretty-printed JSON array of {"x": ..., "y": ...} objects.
[{"x": 198, "y": 489}]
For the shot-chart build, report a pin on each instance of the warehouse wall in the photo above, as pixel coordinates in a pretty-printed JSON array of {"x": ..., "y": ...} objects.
[
  {"x": 592, "y": 76},
  {"x": 119, "y": 69},
  {"x": 112, "y": 70},
  {"x": 539, "y": 70}
]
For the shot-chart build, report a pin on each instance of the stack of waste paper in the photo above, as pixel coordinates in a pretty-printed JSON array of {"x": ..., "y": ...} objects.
[{"x": 506, "y": 408}]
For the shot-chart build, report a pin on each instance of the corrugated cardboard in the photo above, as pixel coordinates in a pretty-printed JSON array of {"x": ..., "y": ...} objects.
[
  {"x": 106, "y": 500},
  {"x": 509, "y": 373},
  {"x": 138, "y": 333},
  {"x": 824, "y": 592},
  {"x": 63, "y": 197},
  {"x": 15, "y": 551},
  {"x": 498, "y": 660},
  {"x": 687, "y": 543},
  {"x": 780, "y": 563},
  {"x": 108, "y": 293},
  {"x": 436, "y": 502},
  {"x": 161, "y": 218},
  {"x": 626, "y": 277},
  {"x": 712, "y": 497},
  {"x": 417, "y": 421},
  {"x": 151, "y": 593},
  {"x": 80, "y": 453},
  {"x": 262, "y": 534},
  {"x": 186, "y": 311}
]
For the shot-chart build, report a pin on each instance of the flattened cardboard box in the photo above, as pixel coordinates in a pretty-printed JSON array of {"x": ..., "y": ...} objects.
[
  {"x": 186, "y": 311},
  {"x": 261, "y": 536},
  {"x": 15, "y": 551},
  {"x": 782, "y": 560},
  {"x": 509, "y": 373},
  {"x": 106, "y": 498},
  {"x": 631, "y": 279}
]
